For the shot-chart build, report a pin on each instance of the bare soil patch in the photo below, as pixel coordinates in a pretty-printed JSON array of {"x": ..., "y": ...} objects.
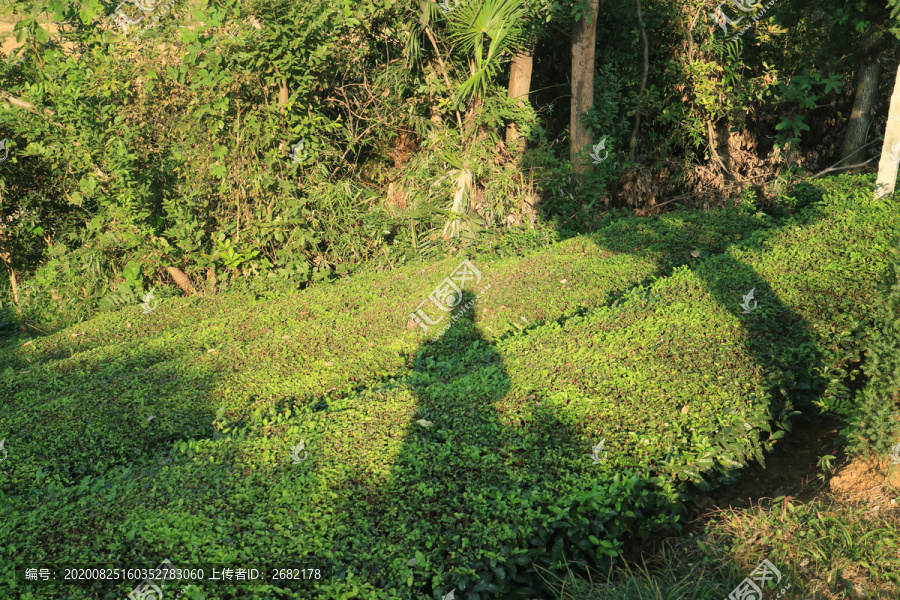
[
  {"x": 875, "y": 482},
  {"x": 8, "y": 41}
]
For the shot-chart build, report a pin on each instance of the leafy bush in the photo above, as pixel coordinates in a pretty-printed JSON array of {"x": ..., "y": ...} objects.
[{"x": 874, "y": 420}]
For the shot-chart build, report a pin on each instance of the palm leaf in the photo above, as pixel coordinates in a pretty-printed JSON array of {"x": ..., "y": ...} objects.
[
  {"x": 497, "y": 20},
  {"x": 474, "y": 20},
  {"x": 426, "y": 12}
]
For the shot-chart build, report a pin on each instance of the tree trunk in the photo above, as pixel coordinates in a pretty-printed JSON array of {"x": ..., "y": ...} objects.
[
  {"x": 863, "y": 105},
  {"x": 469, "y": 117},
  {"x": 890, "y": 151},
  {"x": 584, "y": 38},
  {"x": 519, "y": 87},
  {"x": 460, "y": 203},
  {"x": 637, "y": 113},
  {"x": 181, "y": 279},
  {"x": 15, "y": 289},
  {"x": 282, "y": 104}
]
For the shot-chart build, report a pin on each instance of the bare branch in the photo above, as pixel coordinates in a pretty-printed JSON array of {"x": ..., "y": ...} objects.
[{"x": 23, "y": 104}]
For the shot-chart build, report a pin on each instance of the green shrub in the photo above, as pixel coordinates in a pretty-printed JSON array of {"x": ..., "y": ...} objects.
[{"x": 874, "y": 420}]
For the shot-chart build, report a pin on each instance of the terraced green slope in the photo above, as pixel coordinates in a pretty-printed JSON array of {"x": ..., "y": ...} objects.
[{"x": 169, "y": 435}]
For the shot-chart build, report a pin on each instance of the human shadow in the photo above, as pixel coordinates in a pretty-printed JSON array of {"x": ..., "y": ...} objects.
[
  {"x": 470, "y": 466},
  {"x": 482, "y": 485}
]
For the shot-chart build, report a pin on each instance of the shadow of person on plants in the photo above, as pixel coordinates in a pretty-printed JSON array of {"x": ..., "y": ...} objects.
[
  {"x": 486, "y": 483},
  {"x": 453, "y": 501}
]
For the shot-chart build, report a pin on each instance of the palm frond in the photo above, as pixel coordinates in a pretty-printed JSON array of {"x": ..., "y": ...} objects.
[
  {"x": 472, "y": 21},
  {"x": 476, "y": 22},
  {"x": 426, "y": 12}
]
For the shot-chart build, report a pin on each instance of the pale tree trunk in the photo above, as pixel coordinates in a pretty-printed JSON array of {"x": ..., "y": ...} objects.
[
  {"x": 6, "y": 256},
  {"x": 519, "y": 87},
  {"x": 863, "y": 105},
  {"x": 460, "y": 203},
  {"x": 15, "y": 290},
  {"x": 887, "y": 166},
  {"x": 584, "y": 39},
  {"x": 181, "y": 279},
  {"x": 282, "y": 104}
]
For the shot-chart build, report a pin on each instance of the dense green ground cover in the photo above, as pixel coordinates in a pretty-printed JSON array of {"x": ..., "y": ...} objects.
[{"x": 633, "y": 336}]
